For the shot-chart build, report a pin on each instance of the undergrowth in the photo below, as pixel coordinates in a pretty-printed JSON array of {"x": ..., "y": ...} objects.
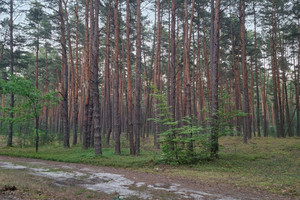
[{"x": 270, "y": 164}]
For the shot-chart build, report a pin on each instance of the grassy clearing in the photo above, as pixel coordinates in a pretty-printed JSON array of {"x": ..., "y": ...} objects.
[{"x": 269, "y": 164}]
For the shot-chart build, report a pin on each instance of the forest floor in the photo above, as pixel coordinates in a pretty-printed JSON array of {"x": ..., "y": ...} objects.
[
  {"x": 266, "y": 168},
  {"x": 25, "y": 178}
]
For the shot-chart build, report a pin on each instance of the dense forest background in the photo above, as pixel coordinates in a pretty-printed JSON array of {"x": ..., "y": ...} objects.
[{"x": 95, "y": 70}]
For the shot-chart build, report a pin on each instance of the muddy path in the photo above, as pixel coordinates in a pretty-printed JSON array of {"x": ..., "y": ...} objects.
[{"x": 39, "y": 179}]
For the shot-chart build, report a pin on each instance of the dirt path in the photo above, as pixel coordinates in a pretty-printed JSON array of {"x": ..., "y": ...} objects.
[{"x": 39, "y": 179}]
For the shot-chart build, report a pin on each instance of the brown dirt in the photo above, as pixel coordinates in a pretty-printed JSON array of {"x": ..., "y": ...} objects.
[{"x": 35, "y": 187}]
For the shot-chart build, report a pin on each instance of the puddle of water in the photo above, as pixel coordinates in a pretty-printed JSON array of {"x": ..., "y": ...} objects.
[
  {"x": 111, "y": 183},
  {"x": 114, "y": 183},
  {"x": 175, "y": 188},
  {"x": 57, "y": 175},
  {"x": 8, "y": 165},
  {"x": 197, "y": 196},
  {"x": 139, "y": 184}
]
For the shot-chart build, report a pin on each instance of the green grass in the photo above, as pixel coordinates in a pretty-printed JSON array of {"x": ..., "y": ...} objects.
[
  {"x": 269, "y": 164},
  {"x": 78, "y": 155}
]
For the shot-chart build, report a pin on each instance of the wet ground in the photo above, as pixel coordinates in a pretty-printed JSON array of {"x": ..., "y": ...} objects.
[{"x": 119, "y": 183}]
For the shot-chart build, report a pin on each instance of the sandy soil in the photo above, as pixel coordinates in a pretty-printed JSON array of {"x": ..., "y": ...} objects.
[{"x": 39, "y": 179}]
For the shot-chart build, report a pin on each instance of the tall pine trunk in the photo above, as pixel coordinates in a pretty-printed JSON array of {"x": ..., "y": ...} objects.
[
  {"x": 64, "y": 112},
  {"x": 173, "y": 62},
  {"x": 37, "y": 87},
  {"x": 275, "y": 74},
  {"x": 215, "y": 25},
  {"x": 246, "y": 107},
  {"x": 129, "y": 82},
  {"x": 156, "y": 76},
  {"x": 11, "y": 69},
  {"x": 256, "y": 76},
  {"x": 237, "y": 84},
  {"x": 117, "y": 125},
  {"x": 86, "y": 82},
  {"x": 137, "y": 108},
  {"x": 76, "y": 79},
  {"x": 107, "y": 108},
  {"x": 95, "y": 81}
]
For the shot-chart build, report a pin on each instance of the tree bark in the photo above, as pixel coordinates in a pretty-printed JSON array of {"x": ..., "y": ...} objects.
[
  {"x": 107, "y": 108},
  {"x": 256, "y": 76},
  {"x": 186, "y": 66},
  {"x": 275, "y": 74},
  {"x": 237, "y": 85},
  {"x": 86, "y": 82},
  {"x": 297, "y": 82},
  {"x": 76, "y": 79},
  {"x": 46, "y": 90},
  {"x": 11, "y": 66},
  {"x": 214, "y": 77},
  {"x": 156, "y": 77},
  {"x": 65, "y": 119},
  {"x": 246, "y": 107},
  {"x": 95, "y": 81},
  {"x": 173, "y": 62},
  {"x": 129, "y": 82},
  {"x": 138, "y": 83},
  {"x": 117, "y": 127},
  {"x": 37, "y": 87}
]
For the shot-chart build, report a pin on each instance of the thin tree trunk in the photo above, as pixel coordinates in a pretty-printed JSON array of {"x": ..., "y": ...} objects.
[
  {"x": 37, "y": 87},
  {"x": 156, "y": 76},
  {"x": 46, "y": 90},
  {"x": 186, "y": 66},
  {"x": 252, "y": 114},
  {"x": 256, "y": 76},
  {"x": 86, "y": 85},
  {"x": 107, "y": 108},
  {"x": 168, "y": 94},
  {"x": 138, "y": 111},
  {"x": 206, "y": 62},
  {"x": 215, "y": 20},
  {"x": 95, "y": 81},
  {"x": 297, "y": 83},
  {"x": 200, "y": 83},
  {"x": 246, "y": 109},
  {"x": 129, "y": 82},
  {"x": 69, "y": 44},
  {"x": 117, "y": 127},
  {"x": 76, "y": 79},
  {"x": 64, "y": 78},
  {"x": 173, "y": 62},
  {"x": 11, "y": 66},
  {"x": 238, "y": 99},
  {"x": 274, "y": 76}
]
